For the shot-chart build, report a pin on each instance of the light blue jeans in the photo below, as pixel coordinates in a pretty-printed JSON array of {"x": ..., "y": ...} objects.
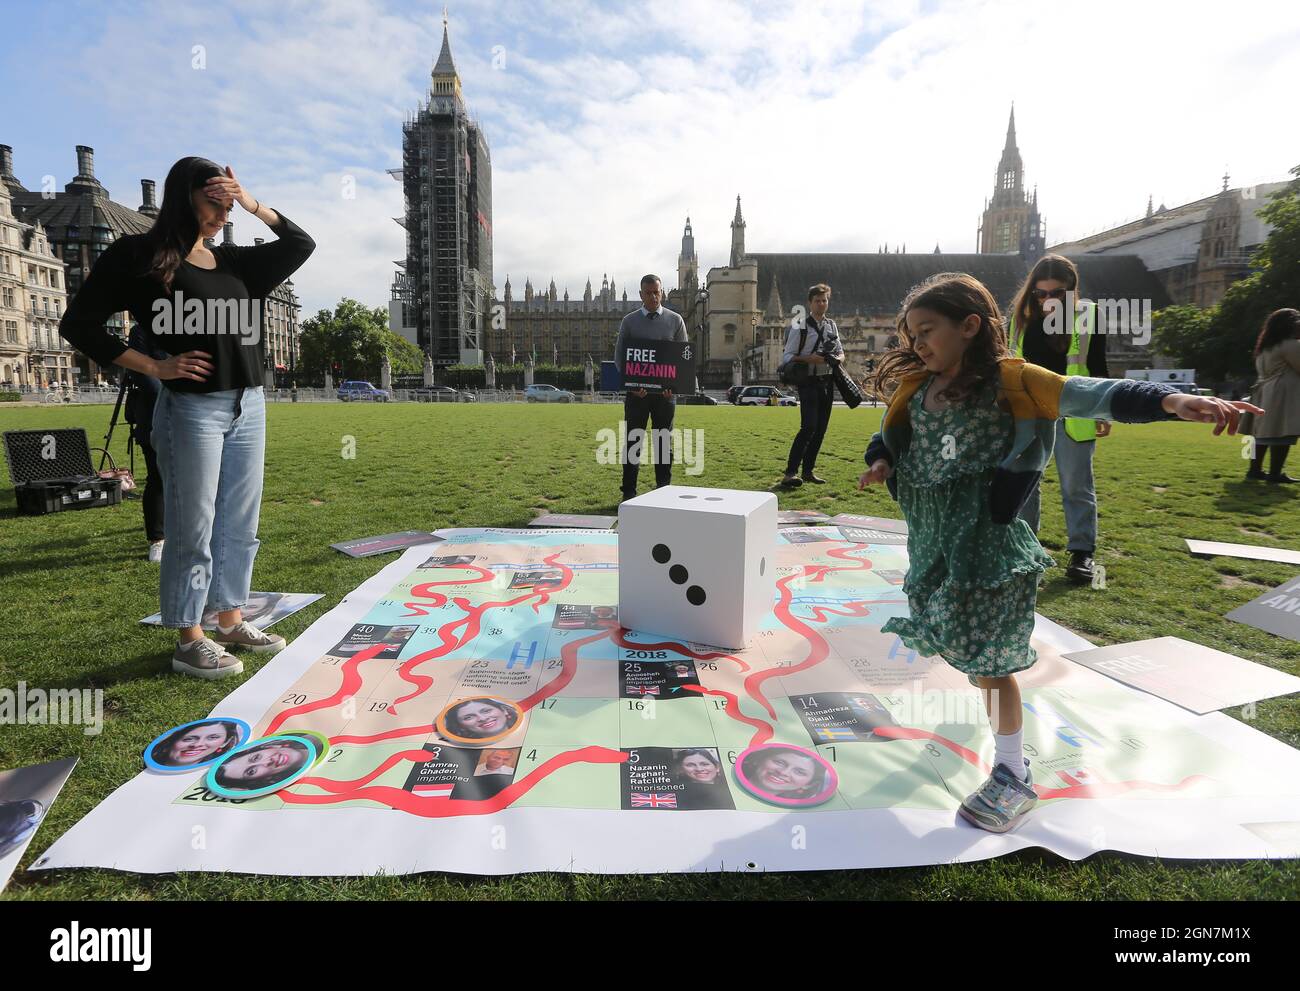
[
  {"x": 210, "y": 447},
  {"x": 1078, "y": 492}
]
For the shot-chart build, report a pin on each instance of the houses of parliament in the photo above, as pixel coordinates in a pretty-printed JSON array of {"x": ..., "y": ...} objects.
[{"x": 737, "y": 313}]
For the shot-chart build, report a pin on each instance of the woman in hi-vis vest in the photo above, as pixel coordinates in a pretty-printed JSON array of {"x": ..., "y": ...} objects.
[{"x": 1050, "y": 325}]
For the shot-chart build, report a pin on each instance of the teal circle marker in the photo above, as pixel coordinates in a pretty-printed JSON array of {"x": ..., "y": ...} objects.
[{"x": 262, "y": 768}]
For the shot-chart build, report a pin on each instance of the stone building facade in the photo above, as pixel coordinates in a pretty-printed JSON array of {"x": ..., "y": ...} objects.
[{"x": 554, "y": 327}]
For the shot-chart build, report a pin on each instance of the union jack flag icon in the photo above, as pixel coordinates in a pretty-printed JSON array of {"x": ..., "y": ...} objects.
[
  {"x": 642, "y": 800},
  {"x": 644, "y": 689}
]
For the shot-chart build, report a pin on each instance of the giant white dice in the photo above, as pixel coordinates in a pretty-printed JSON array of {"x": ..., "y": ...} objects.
[{"x": 697, "y": 564}]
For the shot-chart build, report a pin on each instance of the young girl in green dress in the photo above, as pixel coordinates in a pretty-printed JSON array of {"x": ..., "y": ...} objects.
[{"x": 964, "y": 440}]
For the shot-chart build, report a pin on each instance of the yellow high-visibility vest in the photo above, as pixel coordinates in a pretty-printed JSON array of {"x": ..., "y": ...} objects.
[{"x": 1076, "y": 363}]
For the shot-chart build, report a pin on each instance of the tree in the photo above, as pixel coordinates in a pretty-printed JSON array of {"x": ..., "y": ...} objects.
[
  {"x": 404, "y": 356},
  {"x": 1184, "y": 333},
  {"x": 1274, "y": 283},
  {"x": 348, "y": 343},
  {"x": 1219, "y": 342}
]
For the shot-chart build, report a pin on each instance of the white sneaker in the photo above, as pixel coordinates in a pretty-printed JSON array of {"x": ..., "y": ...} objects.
[{"x": 155, "y": 551}]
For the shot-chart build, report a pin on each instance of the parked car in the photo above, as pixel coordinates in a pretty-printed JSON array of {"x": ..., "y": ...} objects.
[
  {"x": 734, "y": 393},
  {"x": 548, "y": 394},
  {"x": 697, "y": 399},
  {"x": 441, "y": 394},
  {"x": 764, "y": 395},
  {"x": 362, "y": 391}
]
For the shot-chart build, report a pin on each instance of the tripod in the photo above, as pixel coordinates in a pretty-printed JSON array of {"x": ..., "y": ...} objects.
[{"x": 130, "y": 436}]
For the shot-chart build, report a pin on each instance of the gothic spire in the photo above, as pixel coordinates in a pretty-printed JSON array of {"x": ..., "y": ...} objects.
[
  {"x": 444, "y": 66},
  {"x": 737, "y": 237}
]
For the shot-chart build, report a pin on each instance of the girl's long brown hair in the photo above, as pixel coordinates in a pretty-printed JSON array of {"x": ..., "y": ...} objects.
[
  {"x": 954, "y": 295},
  {"x": 1026, "y": 309}
]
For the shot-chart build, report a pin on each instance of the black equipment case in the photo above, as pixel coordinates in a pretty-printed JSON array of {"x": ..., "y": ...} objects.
[{"x": 51, "y": 472}]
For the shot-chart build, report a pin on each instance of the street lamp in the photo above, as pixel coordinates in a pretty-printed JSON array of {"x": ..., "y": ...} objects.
[{"x": 702, "y": 301}]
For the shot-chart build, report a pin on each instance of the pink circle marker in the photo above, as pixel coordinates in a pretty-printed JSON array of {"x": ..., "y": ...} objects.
[{"x": 749, "y": 774}]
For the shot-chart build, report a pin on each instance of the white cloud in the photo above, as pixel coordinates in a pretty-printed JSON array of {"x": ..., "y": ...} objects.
[{"x": 842, "y": 125}]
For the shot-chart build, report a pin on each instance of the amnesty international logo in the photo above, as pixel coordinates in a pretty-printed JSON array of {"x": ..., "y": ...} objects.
[{"x": 686, "y": 353}]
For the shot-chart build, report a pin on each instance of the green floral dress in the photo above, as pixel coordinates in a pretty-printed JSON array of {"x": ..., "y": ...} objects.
[{"x": 971, "y": 583}]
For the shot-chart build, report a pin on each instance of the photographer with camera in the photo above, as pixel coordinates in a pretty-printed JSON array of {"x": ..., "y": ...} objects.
[{"x": 812, "y": 349}]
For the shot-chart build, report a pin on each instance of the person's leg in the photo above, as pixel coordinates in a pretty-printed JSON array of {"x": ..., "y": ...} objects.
[
  {"x": 188, "y": 435},
  {"x": 152, "y": 497},
  {"x": 238, "y": 506},
  {"x": 808, "y": 412},
  {"x": 1078, "y": 490},
  {"x": 1002, "y": 703},
  {"x": 1276, "y": 461},
  {"x": 662, "y": 413},
  {"x": 1007, "y": 795},
  {"x": 825, "y": 397},
  {"x": 1256, "y": 467},
  {"x": 636, "y": 412}
]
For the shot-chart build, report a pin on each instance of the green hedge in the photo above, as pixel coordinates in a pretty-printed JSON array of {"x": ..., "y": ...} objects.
[{"x": 10, "y": 397}]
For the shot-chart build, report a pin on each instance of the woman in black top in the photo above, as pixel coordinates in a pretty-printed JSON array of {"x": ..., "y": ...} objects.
[{"x": 203, "y": 308}]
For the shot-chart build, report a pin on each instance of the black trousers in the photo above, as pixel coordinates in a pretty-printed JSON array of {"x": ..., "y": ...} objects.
[
  {"x": 657, "y": 411},
  {"x": 815, "y": 398},
  {"x": 153, "y": 490}
]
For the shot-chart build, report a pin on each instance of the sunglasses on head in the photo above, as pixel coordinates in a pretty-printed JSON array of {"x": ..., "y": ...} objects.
[{"x": 1050, "y": 294}]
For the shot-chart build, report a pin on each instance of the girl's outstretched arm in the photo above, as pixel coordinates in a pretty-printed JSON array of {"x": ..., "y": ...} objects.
[{"x": 1223, "y": 413}]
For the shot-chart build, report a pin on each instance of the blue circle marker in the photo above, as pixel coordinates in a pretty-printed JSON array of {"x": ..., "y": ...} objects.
[{"x": 167, "y": 754}]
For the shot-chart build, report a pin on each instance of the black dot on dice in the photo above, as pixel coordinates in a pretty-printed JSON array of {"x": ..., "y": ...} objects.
[
  {"x": 661, "y": 553},
  {"x": 695, "y": 595},
  {"x": 678, "y": 574}
]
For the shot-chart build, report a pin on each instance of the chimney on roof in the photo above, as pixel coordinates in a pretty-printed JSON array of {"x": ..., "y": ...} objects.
[
  {"x": 147, "y": 195},
  {"x": 228, "y": 232},
  {"x": 6, "y": 162},
  {"x": 85, "y": 162}
]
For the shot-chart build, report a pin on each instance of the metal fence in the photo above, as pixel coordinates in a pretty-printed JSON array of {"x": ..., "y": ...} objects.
[
  {"x": 63, "y": 396},
  {"x": 108, "y": 394}
]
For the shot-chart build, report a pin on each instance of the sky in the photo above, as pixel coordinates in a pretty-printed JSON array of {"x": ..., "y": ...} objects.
[{"x": 842, "y": 126}]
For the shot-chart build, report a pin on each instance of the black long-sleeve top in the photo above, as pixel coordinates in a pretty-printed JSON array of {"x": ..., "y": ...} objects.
[{"x": 244, "y": 275}]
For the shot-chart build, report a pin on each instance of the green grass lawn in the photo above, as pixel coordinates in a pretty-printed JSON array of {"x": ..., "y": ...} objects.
[{"x": 75, "y": 585}]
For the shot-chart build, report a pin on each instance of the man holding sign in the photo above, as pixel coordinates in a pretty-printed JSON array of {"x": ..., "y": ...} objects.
[{"x": 648, "y": 397}]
